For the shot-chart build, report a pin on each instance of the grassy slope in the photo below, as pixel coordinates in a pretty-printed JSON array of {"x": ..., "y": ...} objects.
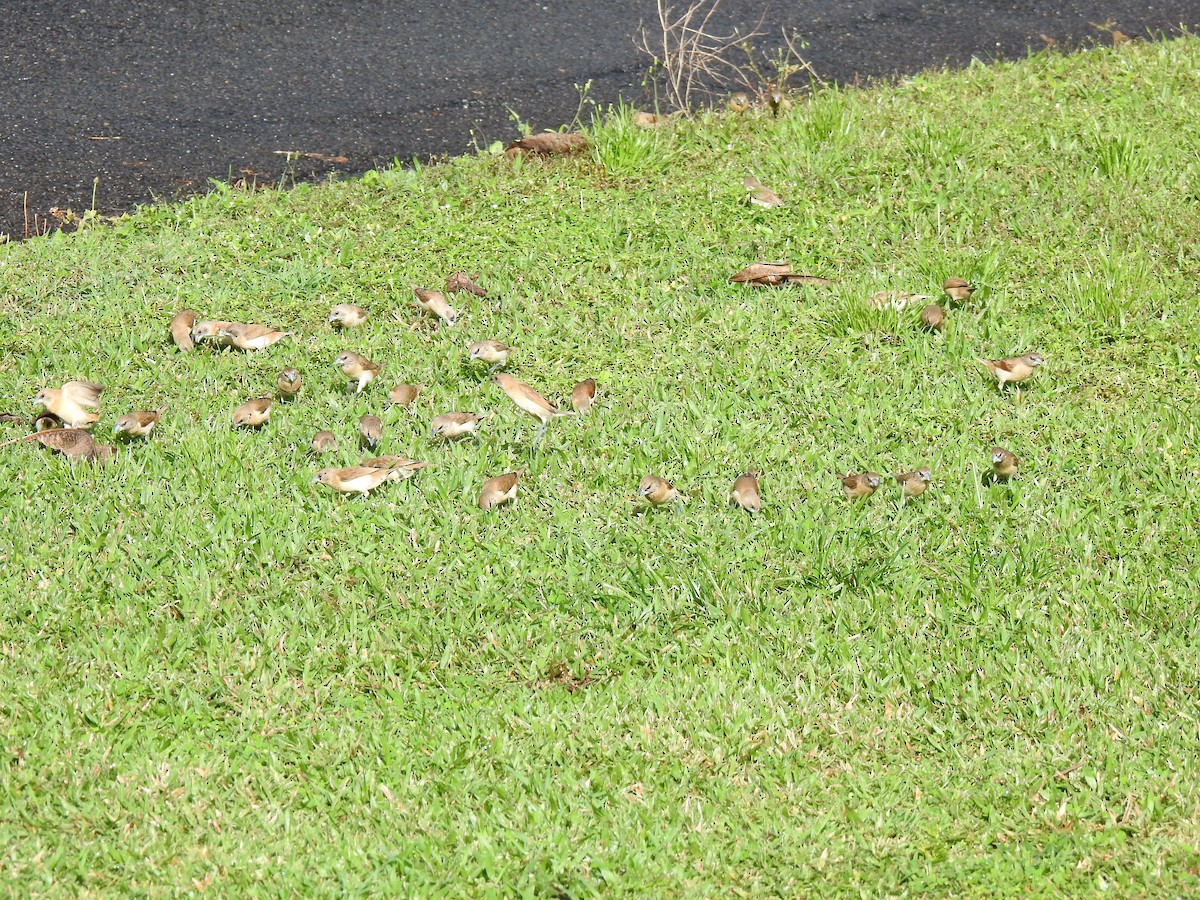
[{"x": 215, "y": 674}]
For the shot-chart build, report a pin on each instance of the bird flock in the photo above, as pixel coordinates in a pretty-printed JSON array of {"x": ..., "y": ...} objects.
[{"x": 70, "y": 410}]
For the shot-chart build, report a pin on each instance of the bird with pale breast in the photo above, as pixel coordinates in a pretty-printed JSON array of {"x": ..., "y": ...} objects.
[
  {"x": 1014, "y": 369},
  {"x": 403, "y": 395},
  {"x": 407, "y": 467},
  {"x": 658, "y": 491},
  {"x": 324, "y": 442},
  {"x": 1004, "y": 464},
  {"x": 860, "y": 485},
  {"x": 138, "y": 424},
  {"x": 72, "y": 401},
  {"x": 456, "y": 424},
  {"x": 435, "y": 303},
  {"x": 500, "y": 489},
  {"x": 357, "y": 369},
  {"x": 913, "y": 484},
  {"x": 958, "y": 289},
  {"x": 583, "y": 394},
  {"x": 933, "y": 318},
  {"x": 253, "y": 413},
  {"x": 758, "y": 194},
  {"x": 529, "y": 401},
  {"x": 745, "y": 491},
  {"x": 288, "y": 383},
  {"x": 494, "y": 353},
  {"x": 738, "y": 102},
  {"x": 251, "y": 337},
  {"x": 369, "y": 430},
  {"x": 181, "y": 329},
  {"x": 210, "y": 332},
  {"x": 347, "y": 315},
  {"x": 356, "y": 479}
]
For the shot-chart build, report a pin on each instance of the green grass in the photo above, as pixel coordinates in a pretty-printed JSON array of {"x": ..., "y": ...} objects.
[{"x": 216, "y": 674}]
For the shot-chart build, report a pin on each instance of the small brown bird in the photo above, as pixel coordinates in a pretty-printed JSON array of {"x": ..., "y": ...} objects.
[
  {"x": 500, "y": 489},
  {"x": 759, "y": 194},
  {"x": 356, "y": 368},
  {"x": 253, "y": 413},
  {"x": 46, "y": 421},
  {"x": 407, "y": 467},
  {"x": 347, "y": 315},
  {"x": 210, "y": 332},
  {"x": 583, "y": 394},
  {"x": 456, "y": 424},
  {"x": 738, "y": 102},
  {"x": 1004, "y": 464},
  {"x": 778, "y": 101},
  {"x": 138, "y": 424},
  {"x": 356, "y": 479},
  {"x": 494, "y": 353},
  {"x": 369, "y": 430},
  {"x": 288, "y": 383},
  {"x": 324, "y": 442},
  {"x": 68, "y": 402},
  {"x": 745, "y": 491},
  {"x": 1014, "y": 369},
  {"x": 933, "y": 318},
  {"x": 460, "y": 281},
  {"x": 913, "y": 484},
  {"x": 181, "y": 329},
  {"x": 529, "y": 401},
  {"x": 435, "y": 302},
  {"x": 251, "y": 337},
  {"x": 958, "y": 289},
  {"x": 404, "y": 394},
  {"x": 658, "y": 491},
  {"x": 859, "y": 486}
]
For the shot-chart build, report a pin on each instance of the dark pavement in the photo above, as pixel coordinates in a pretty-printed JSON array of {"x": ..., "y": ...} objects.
[{"x": 156, "y": 98}]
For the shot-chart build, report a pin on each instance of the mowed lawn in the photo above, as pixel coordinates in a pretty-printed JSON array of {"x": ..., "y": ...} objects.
[{"x": 217, "y": 675}]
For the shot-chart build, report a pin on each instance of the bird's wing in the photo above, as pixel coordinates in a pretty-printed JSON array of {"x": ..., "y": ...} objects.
[{"x": 85, "y": 393}]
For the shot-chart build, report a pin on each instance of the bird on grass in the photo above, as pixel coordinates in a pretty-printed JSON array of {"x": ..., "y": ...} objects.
[
  {"x": 253, "y": 413},
  {"x": 347, "y": 315},
  {"x": 357, "y": 369},
  {"x": 860, "y": 485},
  {"x": 210, "y": 332},
  {"x": 658, "y": 491},
  {"x": 500, "y": 489},
  {"x": 181, "y": 329},
  {"x": 369, "y": 430},
  {"x": 1004, "y": 464},
  {"x": 356, "y": 479},
  {"x": 529, "y": 400},
  {"x": 933, "y": 318},
  {"x": 47, "y": 421},
  {"x": 324, "y": 442},
  {"x": 403, "y": 395},
  {"x": 1014, "y": 369},
  {"x": 745, "y": 491},
  {"x": 288, "y": 383},
  {"x": 583, "y": 394},
  {"x": 913, "y": 484},
  {"x": 456, "y": 424},
  {"x": 407, "y": 467},
  {"x": 138, "y": 424},
  {"x": 958, "y": 289},
  {"x": 251, "y": 337},
  {"x": 72, "y": 401},
  {"x": 435, "y": 302},
  {"x": 738, "y": 102},
  {"x": 494, "y": 353}
]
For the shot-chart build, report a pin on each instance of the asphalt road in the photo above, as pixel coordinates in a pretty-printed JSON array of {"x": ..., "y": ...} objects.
[{"x": 153, "y": 99}]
